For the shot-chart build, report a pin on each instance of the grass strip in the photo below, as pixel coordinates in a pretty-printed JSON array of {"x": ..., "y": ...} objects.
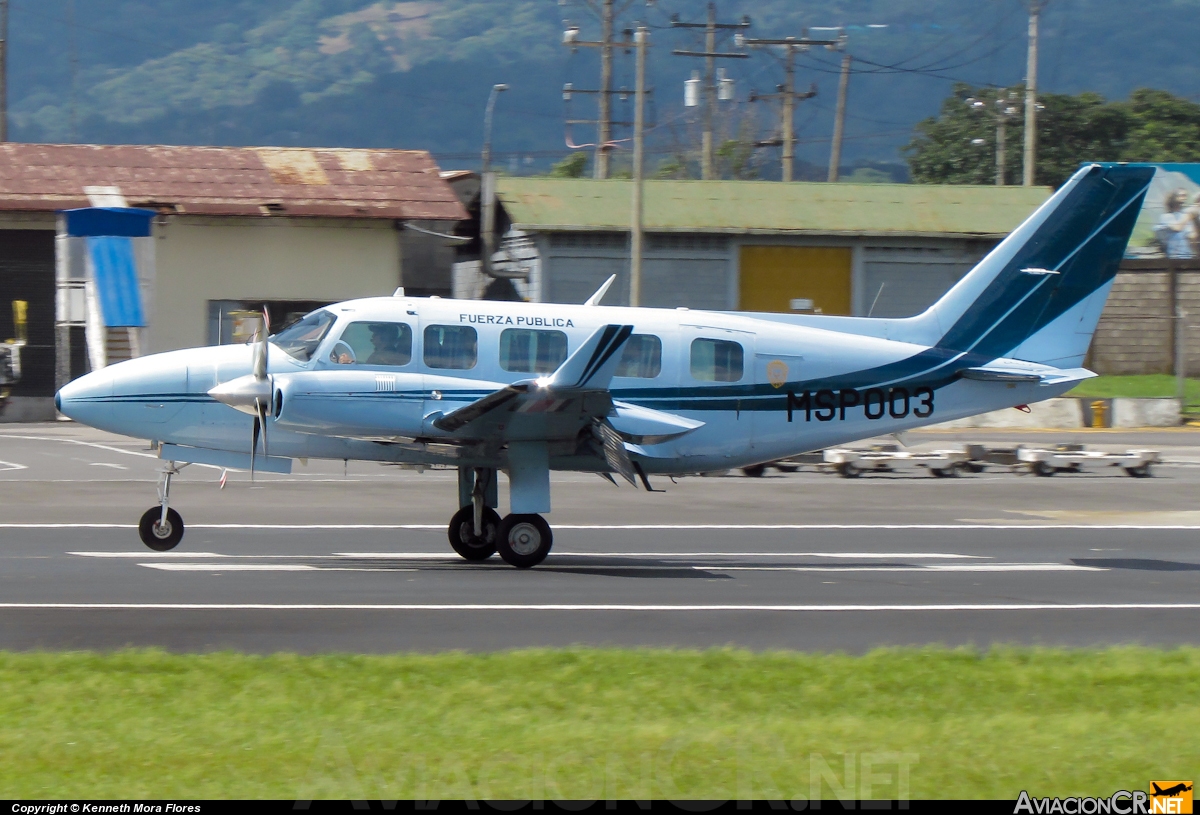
[
  {"x": 1141, "y": 386},
  {"x": 597, "y": 723}
]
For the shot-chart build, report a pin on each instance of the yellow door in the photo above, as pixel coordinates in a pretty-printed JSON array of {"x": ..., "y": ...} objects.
[{"x": 774, "y": 278}]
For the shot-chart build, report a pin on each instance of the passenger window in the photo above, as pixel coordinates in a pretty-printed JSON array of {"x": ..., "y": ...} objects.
[
  {"x": 642, "y": 357},
  {"x": 374, "y": 344},
  {"x": 451, "y": 346},
  {"x": 536, "y": 352},
  {"x": 716, "y": 360}
]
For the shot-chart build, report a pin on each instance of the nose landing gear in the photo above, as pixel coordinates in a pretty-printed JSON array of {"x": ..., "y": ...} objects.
[{"x": 161, "y": 528}]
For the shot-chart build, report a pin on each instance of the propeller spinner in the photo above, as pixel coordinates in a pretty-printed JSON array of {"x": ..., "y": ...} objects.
[{"x": 252, "y": 393}]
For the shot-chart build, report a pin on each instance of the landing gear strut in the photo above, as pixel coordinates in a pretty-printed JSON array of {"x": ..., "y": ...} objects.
[
  {"x": 161, "y": 528},
  {"x": 473, "y": 528}
]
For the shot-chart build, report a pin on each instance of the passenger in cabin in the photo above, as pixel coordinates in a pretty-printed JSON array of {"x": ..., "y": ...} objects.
[{"x": 385, "y": 337}]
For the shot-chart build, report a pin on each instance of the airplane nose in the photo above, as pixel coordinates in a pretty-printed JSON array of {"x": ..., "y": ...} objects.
[{"x": 87, "y": 399}]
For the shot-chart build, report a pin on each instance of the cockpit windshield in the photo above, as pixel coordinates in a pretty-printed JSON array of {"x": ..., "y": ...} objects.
[{"x": 300, "y": 339}]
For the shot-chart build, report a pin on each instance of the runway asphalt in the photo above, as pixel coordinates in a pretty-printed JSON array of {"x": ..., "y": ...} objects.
[{"x": 355, "y": 558}]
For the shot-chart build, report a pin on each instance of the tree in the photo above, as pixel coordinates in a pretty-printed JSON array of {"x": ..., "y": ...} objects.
[
  {"x": 959, "y": 145},
  {"x": 572, "y": 166}
]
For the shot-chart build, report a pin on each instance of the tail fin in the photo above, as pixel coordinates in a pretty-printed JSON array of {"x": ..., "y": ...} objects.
[{"x": 1038, "y": 295}]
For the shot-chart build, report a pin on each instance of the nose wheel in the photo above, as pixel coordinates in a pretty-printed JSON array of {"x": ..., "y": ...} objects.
[
  {"x": 462, "y": 533},
  {"x": 161, "y": 528},
  {"x": 524, "y": 540},
  {"x": 161, "y": 535}
]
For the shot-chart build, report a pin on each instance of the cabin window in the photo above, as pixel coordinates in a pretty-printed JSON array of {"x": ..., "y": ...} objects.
[
  {"x": 374, "y": 344},
  {"x": 301, "y": 338},
  {"x": 451, "y": 346},
  {"x": 716, "y": 360},
  {"x": 525, "y": 350},
  {"x": 642, "y": 357}
]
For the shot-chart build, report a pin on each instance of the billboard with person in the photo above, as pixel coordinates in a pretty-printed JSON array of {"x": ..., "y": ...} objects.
[{"x": 1169, "y": 225}]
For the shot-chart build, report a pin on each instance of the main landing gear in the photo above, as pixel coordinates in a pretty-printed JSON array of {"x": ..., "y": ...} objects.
[
  {"x": 477, "y": 532},
  {"x": 161, "y": 528}
]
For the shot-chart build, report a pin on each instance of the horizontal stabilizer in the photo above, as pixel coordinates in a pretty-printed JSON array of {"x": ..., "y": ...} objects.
[
  {"x": 1005, "y": 370},
  {"x": 593, "y": 364}
]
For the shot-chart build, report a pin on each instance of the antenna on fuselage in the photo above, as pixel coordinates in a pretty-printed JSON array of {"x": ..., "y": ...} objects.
[{"x": 594, "y": 300}]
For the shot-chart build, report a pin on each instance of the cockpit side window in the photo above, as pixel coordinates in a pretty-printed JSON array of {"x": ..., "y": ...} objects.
[
  {"x": 301, "y": 338},
  {"x": 374, "y": 343}
]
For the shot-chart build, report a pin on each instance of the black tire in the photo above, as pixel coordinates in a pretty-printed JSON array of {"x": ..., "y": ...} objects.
[
  {"x": 973, "y": 467},
  {"x": 943, "y": 472},
  {"x": 1043, "y": 468},
  {"x": 1140, "y": 471},
  {"x": 462, "y": 533},
  {"x": 755, "y": 470},
  {"x": 788, "y": 468},
  {"x": 160, "y": 537},
  {"x": 524, "y": 540},
  {"x": 847, "y": 469}
]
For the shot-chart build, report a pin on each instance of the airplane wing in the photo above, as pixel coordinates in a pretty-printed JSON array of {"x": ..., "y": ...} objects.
[
  {"x": 576, "y": 396},
  {"x": 551, "y": 407}
]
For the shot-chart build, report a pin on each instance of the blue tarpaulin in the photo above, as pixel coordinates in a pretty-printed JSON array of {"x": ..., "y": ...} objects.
[
  {"x": 124, "y": 222},
  {"x": 116, "y": 281}
]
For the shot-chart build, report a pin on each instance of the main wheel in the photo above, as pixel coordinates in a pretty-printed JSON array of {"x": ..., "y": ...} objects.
[
  {"x": 524, "y": 540},
  {"x": 160, "y": 536},
  {"x": 755, "y": 470},
  {"x": 1140, "y": 471},
  {"x": 462, "y": 533}
]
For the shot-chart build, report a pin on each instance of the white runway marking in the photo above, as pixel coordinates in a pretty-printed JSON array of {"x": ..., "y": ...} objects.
[
  {"x": 107, "y": 464},
  {"x": 12, "y": 465},
  {"x": 556, "y": 553},
  {"x": 258, "y": 567},
  {"x": 602, "y": 607},
  {"x": 934, "y": 567},
  {"x": 662, "y": 527}
]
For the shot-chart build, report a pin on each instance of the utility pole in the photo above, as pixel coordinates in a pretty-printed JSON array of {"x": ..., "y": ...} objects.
[
  {"x": 711, "y": 55},
  {"x": 607, "y": 11},
  {"x": 3, "y": 70},
  {"x": 1006, "y": 109},
  {"x": 1035, "y": 10},
  {"x": 641, "y": 41},
  {"x": 787, "y": 93},
  {"x": 487, "y": 187},
  {"x": 839, "y": 119}
]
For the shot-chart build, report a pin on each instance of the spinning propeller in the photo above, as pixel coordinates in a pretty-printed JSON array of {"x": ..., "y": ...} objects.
[{"x": 252, "y": 393}]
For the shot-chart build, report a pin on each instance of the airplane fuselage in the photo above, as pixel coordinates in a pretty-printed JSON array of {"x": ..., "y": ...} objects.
[{"x": 763, "y": 390}]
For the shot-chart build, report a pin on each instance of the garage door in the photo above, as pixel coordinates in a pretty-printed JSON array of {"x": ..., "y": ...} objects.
[{"x": 771, "y": 278}]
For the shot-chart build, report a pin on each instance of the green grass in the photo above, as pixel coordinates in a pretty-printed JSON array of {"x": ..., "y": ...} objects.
[
  {"x": 594, "y": 723},
  {"x": 1146, "y": 385}
]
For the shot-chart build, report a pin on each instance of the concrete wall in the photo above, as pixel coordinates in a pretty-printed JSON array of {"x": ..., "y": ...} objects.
[
  {"x": 209, "y": 258},
  {"x": 1134, "y": 333}
]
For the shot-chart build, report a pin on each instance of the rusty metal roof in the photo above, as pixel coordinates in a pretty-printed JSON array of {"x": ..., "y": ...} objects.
[
  {"x": 770, "y": 207},
  {"x": 313, "y": 182}
]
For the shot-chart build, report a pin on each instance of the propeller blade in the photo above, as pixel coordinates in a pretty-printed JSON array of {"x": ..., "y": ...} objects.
[
  {"x": 253, "y": 444},
  {"x": 261, "y": 413},
  {"x": 260, "y": 349},
  {"x": 615, "y": 454}
]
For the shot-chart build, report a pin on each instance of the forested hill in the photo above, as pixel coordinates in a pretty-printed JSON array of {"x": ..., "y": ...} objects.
[{"x": 416, "y": 74}]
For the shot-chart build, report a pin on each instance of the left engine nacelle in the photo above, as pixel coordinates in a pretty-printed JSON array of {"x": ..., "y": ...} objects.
[{"x": 350, "y": 402}]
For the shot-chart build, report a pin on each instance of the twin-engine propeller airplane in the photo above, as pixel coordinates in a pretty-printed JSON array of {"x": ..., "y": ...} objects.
[{"x": 530, "y": 388}]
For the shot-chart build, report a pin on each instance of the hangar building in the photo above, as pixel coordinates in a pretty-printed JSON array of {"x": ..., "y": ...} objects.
[
  {"x": 234, "y": 228},
  {"x": 879, "y": 249}
]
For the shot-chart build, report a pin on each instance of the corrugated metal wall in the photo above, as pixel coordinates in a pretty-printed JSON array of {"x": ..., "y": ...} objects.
[
  {"x": 912, "y": 278},
  {"x": 27, "y": 273},
  {"x": 677, "y": 270}
]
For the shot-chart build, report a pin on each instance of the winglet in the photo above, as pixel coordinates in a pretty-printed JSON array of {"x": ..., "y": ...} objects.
[
  {"x": 595, "y": 299},
  {"x": 593, "y": 364}
]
